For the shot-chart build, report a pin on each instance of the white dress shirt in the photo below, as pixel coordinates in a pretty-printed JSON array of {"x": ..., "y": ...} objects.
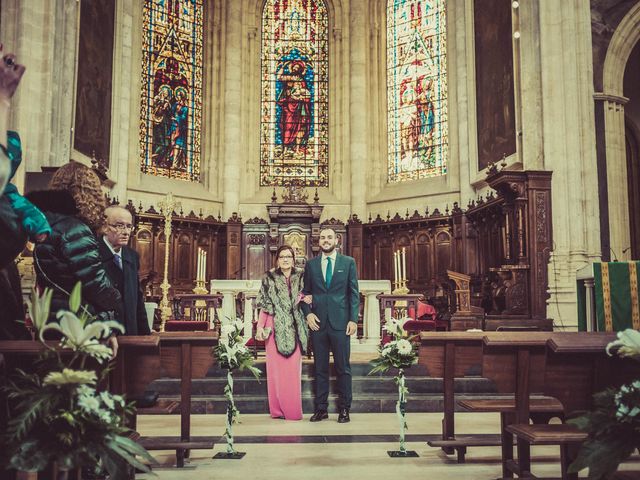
[
  {"x": 115, "y": 254},
  {"x": 323, "y": 263}
]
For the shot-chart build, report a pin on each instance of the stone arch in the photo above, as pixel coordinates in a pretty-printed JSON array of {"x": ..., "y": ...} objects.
[{"x": 624, "y": 39}]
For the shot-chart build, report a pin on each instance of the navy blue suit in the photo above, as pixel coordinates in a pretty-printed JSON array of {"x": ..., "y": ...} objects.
[{"x": 335, "y": 305}]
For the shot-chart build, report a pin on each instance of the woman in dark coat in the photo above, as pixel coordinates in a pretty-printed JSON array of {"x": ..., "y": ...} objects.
[{"x": 74, "y": 206}]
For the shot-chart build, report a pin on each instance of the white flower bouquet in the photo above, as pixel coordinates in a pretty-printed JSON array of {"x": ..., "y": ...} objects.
[
  {"x": 231, "y": 353},
  {"x": 399, "y": 353},
  {"x": 59, "y": 414}
]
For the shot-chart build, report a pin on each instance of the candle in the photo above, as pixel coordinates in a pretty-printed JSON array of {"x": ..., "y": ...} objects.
[
  {"x": 396, "y": 270},
  {"x": 204, "y": 265},
  {"x": 198, "y": 267},
  {"x": 404, "y": 264}
]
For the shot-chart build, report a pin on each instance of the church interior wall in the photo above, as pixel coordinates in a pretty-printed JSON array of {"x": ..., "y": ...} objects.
[{"x": 554, "y": 98}]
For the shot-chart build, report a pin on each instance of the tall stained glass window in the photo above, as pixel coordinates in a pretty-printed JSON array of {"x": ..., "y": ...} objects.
[
  {"x": 171, "y": 109},
  {"x": 416, "y": 89},
  {"x": 294, "y": 108}
]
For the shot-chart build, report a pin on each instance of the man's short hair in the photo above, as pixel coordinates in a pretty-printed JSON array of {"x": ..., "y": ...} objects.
[
  {"x": 322, "y": 229},
  {"x": 110, "y": 209}
]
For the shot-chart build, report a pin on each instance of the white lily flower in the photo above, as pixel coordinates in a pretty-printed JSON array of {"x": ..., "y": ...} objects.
[
  {"x": 39, "y": 307},
  {"x": 628, "y": 343},
  {"x": 78, "y": 335}
]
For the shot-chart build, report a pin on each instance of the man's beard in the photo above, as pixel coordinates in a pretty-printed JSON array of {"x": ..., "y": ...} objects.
[{"x": 328, "y": 250}]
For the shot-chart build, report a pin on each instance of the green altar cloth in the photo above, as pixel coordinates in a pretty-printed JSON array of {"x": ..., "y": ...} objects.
[{"x": 616, "y": 295}]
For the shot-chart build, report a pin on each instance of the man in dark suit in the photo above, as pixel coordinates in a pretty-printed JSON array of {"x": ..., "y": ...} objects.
[
  {"x": 122, "y": 264},
  {"x": 331, "y": 279}
]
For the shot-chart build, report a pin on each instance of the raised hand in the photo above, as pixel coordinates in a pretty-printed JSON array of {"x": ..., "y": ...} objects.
[{"x": 10, "y": 74}]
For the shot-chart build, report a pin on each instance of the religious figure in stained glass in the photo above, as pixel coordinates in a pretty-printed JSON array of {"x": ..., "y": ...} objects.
[
  {"x": 416, "y": 89},
  {"x": 294, "y": 133},
  {"x": 172, "y": 88},
  {"x": 294, "y": 100}
]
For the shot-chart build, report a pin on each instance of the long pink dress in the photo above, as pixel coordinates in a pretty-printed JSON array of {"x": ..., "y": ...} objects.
[{"x": 283, "y": 377}]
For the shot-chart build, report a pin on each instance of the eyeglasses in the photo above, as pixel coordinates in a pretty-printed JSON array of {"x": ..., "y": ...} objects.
[
  {"x": 285, "y": 257},
  {"x": 121, "y": 227}
]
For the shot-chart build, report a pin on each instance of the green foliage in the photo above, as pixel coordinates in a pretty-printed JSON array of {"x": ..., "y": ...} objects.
[
  {"x": 614, "y": 423},
  {"x": 58, "y": 414}
]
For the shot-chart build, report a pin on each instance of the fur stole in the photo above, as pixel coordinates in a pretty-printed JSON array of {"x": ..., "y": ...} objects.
[{"x": 274, "y": 299}]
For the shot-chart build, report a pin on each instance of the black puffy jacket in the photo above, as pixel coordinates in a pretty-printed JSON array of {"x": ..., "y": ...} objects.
[
  {"x": 13, "y": 236},
  {"x": 69, "y": 255}
]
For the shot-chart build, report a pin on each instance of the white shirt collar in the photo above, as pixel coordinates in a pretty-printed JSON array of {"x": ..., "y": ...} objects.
[
  {"x": 332, "y": 256},
  {"x": 104, "y": 237}
]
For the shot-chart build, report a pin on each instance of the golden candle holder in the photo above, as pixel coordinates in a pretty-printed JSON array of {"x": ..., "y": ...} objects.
[
  {"x": 167, "y": 206},
  {"x": 200, "y": 288}
]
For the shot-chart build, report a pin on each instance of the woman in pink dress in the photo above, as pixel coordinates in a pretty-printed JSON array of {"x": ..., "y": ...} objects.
[{"x": 281, "y": 324}]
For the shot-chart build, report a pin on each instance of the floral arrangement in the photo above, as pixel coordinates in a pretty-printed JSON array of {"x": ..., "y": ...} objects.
[
  {"x": 232, "y": 354},
  {"x": 60, "y": 416},
  {"x": 398, "y": 353},
  {"x": 614, "y": 424}
]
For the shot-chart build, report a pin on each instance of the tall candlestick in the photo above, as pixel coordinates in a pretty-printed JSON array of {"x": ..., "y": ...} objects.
[
  {"x": 395, "y": 267},
  {"x": 404, "y": 264},
  {"x": 204, "y": 266}
]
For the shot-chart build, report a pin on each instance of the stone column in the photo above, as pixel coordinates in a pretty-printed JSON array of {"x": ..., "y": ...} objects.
[
  {"x": 590, "y": 313},
  {"x": 569, "y": 149},
  {"x": 232, "y": 115},
  {"x": 358, "y": 111},
  {"x": 617, "y": 205}
]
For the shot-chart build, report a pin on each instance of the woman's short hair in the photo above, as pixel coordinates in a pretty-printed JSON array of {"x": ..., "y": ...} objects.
[
  {"x": 84, "y": 186},
  {"x": 281, "y": 249}
]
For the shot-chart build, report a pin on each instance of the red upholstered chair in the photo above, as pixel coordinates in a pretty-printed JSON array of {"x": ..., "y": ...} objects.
[{"x": 425, "y": 320}]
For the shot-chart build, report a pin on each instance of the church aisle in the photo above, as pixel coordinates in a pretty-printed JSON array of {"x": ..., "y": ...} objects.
[{"x": 278, "y": 449}]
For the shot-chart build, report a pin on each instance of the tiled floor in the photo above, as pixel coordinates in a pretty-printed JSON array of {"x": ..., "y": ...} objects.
[{"x": 278, "y": 449}]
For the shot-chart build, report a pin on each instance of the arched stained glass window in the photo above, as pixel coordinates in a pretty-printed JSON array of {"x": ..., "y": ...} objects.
[
  {"x": 416, "y": 89},
  {"x": 294, "y": 107},
  {"x": 171, "y": 106}
]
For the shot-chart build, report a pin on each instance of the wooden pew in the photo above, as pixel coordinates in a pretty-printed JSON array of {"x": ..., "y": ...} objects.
[
  {"x": 456, "y": 354},
  {"x": 450, "y": 355},
  {"x": 577, "y": 367},
  {"x": 184, "y": 355}
]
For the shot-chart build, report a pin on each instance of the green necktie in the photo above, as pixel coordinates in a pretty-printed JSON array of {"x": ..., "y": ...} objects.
[{"x": 329, "y": 273}]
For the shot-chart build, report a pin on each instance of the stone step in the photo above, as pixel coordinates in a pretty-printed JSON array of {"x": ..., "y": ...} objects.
[
  {"x": 371, "y": 403},
  {"x": 360, "y": 385},
  {"x": 357, "y": 369}
]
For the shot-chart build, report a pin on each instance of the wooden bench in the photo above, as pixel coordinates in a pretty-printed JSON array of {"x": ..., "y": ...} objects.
[
  {"x": 458, "y": 354},
  {"x": 184, "y": 355},
  {"x": 450, "y": 355},
  {"x": 557, "y": 372}
]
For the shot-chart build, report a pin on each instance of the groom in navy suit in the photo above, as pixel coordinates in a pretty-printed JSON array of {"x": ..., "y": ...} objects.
[{"x": 332, "y": 280}]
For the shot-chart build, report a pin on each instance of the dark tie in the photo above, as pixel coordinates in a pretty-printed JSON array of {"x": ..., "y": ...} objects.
[
  {"x": 329, "y": 273},
  {"x": 118, "y": 261}
]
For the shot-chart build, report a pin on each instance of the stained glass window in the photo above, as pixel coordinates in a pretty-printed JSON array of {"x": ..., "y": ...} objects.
[
  {"x": 416, "y": 89},
  {"x": 294, "y": 106},
  {"x": 171, "y": 109}
]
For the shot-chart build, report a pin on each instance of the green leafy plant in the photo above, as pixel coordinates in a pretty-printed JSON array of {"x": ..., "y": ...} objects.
[
  {"x": 232, "y": 354},
  {"x": 614, "y": 423},
  {"x": 58, "y": 413},
  {"x": 399, "y": 353}
]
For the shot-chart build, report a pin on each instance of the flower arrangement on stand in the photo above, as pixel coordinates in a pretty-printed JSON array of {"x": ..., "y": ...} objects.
[
  {"x": 399, "y": 353},
  {"x": 59, "y": 417},
  {"x": 614, "y": 424},
  {"x": 232, "y": 354}
]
